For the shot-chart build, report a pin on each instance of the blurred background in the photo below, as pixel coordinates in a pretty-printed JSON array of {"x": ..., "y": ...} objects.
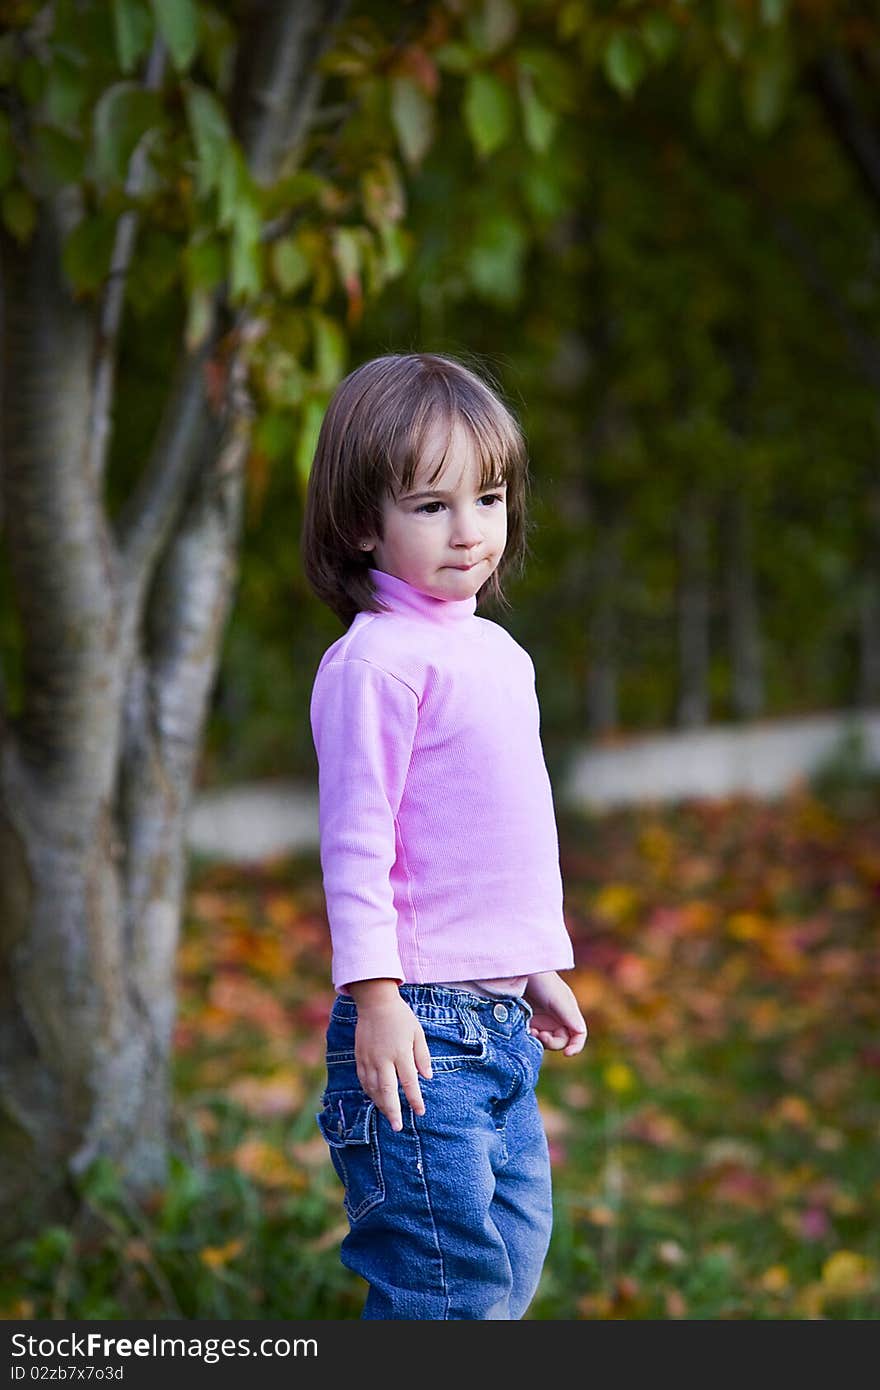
[{"x": 656, "y": 224}]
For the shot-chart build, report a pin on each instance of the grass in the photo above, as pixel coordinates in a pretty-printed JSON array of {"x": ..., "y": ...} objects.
[{"x": 714, "y": 1146}]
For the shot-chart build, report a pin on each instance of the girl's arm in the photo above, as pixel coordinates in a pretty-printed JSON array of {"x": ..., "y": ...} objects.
[
  {"x": 557, "y": 1021},
  {"x": 389, "y": 1044},
  {"x": 364, "y": 722}
]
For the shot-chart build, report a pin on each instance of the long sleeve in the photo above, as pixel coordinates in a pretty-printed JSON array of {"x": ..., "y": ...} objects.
[{"x": 363, "y": 724}]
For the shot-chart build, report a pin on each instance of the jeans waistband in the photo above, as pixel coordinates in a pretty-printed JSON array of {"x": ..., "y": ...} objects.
[{"x": 440, "y": 1001}]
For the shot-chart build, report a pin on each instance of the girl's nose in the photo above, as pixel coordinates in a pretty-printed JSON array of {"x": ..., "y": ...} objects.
[{"x": 467, "y": 531}]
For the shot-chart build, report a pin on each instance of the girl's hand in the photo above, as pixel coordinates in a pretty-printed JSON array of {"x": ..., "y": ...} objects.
[
  {"x": 556, "y": 1021},
  {"x": 389, "y": 1045}
]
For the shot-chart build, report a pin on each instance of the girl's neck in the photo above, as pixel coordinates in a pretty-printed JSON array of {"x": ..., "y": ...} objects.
[{"x": 402, "y": 597}]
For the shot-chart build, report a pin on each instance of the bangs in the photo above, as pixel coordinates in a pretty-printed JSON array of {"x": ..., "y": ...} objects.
[{"x": 450, "y": 403}]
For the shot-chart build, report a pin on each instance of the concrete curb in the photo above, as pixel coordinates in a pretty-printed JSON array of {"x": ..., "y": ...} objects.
[{"x": 258, "y": 820}]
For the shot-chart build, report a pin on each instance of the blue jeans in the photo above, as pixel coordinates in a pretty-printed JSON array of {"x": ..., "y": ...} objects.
[{"x": 449, "y": 1217}]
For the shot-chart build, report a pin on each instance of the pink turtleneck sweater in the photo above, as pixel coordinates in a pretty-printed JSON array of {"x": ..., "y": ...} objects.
[{"x": 439, "y": 847}]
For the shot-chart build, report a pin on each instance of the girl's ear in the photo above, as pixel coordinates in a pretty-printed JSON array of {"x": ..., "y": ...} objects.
[{"x": 368, "y": 545}]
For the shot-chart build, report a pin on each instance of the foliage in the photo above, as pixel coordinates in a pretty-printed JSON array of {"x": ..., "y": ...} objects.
[
  {"x": 632, "y": 286},
  {"x": 713, "y": 1147},
  {"x": 617, "y": 185}
]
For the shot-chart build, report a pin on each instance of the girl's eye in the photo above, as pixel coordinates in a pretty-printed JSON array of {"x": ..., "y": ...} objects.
[{"x": 426, "y": 506}]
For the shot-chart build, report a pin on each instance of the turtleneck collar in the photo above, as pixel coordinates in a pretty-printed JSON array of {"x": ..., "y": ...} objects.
[{"x": 402, "y": 597}]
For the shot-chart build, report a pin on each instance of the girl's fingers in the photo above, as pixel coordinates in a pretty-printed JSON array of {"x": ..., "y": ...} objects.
[{"x": 422, "y": 1058}]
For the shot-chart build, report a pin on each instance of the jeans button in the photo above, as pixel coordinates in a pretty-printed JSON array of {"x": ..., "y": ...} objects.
[{"x": 500, "y": 1012}]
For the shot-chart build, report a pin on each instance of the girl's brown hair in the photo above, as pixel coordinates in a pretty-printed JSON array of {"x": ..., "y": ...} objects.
[{"x": 370, "y": 445}]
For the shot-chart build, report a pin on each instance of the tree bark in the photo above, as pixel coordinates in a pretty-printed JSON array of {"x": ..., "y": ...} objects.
[
  {"x": 122, "y": 629},
  {"x": 746, "y": 675},
  {"x": 868, "y": 687},
  {"x": 603, "y": 632},
  {"x": 693, "y": 612}
]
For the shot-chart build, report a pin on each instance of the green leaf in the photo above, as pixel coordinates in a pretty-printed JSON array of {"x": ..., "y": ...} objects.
[
  {"x": 731, "y": 26},
  {"x": 495, "y": 261},
  {"x": 544, "y": 190},
  {"x": 273, "y": 434},
  {"x": 155, "y": 270},
  {"x": 211, "y": 135},
  {"x": 19, "y": 212},
  {"x": 382, "y": 192},
  {"x": 773, "y": 11},
  {"x": 30, "y": 78},
  {"x": 311, "y": 419},
  {"x": 710, "y": 100},
  {"x": 60, "y": 159},
  {"x": 624, "y": 62},
  {"x": 122, "y": 116},
  {"x": 178, "y": 22},
  {"x": 8, "y": 156},
  {"x": 412, "y": 114},
  {"x": 488, "y": 111},
  {"x": 347, "y": 252},
  {"x": 396, "y": 250},
  {"x": 554, "y": 78},
  {"x": 65, "y": 92},
  {"x": 290, "y": 265},
  {"x": 661, "y": 35},
  {"x": 217, "y": 42},
  {"x": 245, "y": 253},
  {"x": 291, "y": 191},
  {"x": 284, "y": 380},
  {"x": 87, "y": 251},
  {"x": 199, "y": 318},
  {"x": 233, "y": 185},
  {"x": 205, "y": 263},
  {"x": 8, "y": 59},
  {"x": 454, "y": 57},
  {"x": 538, "y": 122},
  {"x": 132, "y": 30},
  {"x": 765, "y": 89},
  {"x": 491, "y": 25},
  {"x": 330, "y": 350}
]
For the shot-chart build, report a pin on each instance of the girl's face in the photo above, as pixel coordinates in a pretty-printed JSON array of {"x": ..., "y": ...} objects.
[{"x": 446, "y": 537}]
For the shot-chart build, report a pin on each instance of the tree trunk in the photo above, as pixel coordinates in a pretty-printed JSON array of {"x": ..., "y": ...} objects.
[
  {"x": 868, "y": 689},
  {"x": 121, "y": 639},
  {"x": 603, "y": 632},
  {"x": 747, "y": 685},
  {"x": 693, "y": 612}
]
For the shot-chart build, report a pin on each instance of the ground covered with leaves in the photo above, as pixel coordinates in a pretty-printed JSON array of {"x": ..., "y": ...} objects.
[{"x": 715, "y": 1145}]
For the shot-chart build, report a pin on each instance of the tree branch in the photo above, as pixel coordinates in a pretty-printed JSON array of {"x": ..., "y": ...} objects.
[
  {"x": 167, "y": 699},
  {"x": 61, "y": 555},
  {"x": 149, "y": 514},
  {"x": 283, "y": 85},
  {"x": 864, "y": 350},
  {"x": 279, "y": 80},
  {"x": 830, "y": 80},
  {"x": 110, "y": 312}
]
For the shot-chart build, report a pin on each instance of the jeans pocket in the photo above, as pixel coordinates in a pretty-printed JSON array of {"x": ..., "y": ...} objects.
[
  {"x": 455, "y": 1044},
  {"x": 348, "y": 1124}
]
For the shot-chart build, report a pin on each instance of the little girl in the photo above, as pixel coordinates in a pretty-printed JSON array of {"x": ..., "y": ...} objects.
[{"x": 439, "y": 847}]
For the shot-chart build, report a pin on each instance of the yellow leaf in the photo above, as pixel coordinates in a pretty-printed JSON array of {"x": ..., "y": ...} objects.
[
  {"x": 699, "y": 915},
  {"x": 601, "y": 1215},
  {"x": 615, "y": 902},
  {"x": 776, "y": 1279},
  {"x": 215, "y": 1256},
  {"x": 748, "y": 926},
  {"x": 618, "y": 1077},
  {"x": 845, "y": 1273},
  {"x": 656, "y": 844},
  {"x": 793, "y": 1110}
]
